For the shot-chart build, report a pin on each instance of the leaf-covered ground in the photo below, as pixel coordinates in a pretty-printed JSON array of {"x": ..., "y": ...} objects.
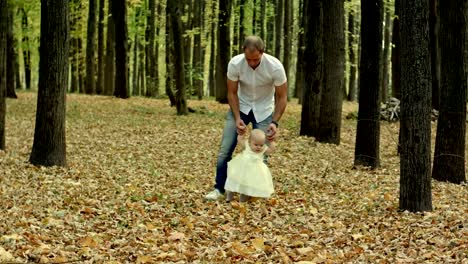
[{"x": 136, "y": 175}]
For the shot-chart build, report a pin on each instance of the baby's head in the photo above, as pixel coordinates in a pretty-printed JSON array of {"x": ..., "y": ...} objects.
[{"x": 257, "y": 140}]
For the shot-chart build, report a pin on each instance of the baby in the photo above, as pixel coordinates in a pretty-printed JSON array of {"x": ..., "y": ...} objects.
[{"x": 247, "y": 173}]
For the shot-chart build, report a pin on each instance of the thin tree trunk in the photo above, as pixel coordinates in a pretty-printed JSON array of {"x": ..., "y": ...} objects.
[
  {"x": 197, "y": 77},
  {"x": 396, "y": 50},
  {"x": 109, "y": 71},
  {"x": 279, "y": 28},
  {"x": 241, "y": 24},
  {"x": 119, "y": 10},
  {"x": 211, "y": 75},
  {"x": 100, "y": 55},
  {"x": 3, "y": 68},
  {"x": 169, "y": 60},
  {"x": 135, "y": 88},
  {"x": 300, "y": 57},
  {"x": 26, "y": 51},
  {"x": 386, "y": 53},
  {"x": 352, "y": 57},
  {"x": 90, "y": 84},
  {"x": 49, "y": 146},
  {"x": 10, "y": 92},
  {"x": 435, "y": 53},
  {"x": 223, "y": 53},
  {"x": 262, "y": 19},
  {"x": 150, "y": 59},
  {"x": 288, "y": 5},
  {"x": 368, "y": 125},
  {"x": 449, "y": 154},
  {"x": 415, "y": 160},
  {"x": 313, "y": 67}
]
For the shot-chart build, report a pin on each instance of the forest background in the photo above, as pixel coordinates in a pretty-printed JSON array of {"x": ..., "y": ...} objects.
[{"x": 136, "y": 169}]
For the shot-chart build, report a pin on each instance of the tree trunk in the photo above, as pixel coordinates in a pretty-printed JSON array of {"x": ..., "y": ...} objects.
[
  {"x": 212, "y": 67},
  {"x": 90, "y": 84},
  {"x": 10, "y": 92},
  {"x": 368, "y": 125},
  {"x": 279, "y": 24},
  {"x": 100, "y": 54},
  {"x": 141, "y": 68},
  {"x": 136, "y": 44},
  {"x": 3, "y": 68},
  {"x": 222, "y": 53},
  {"x": 109, "y": 71},
  {"x": 270, "y": 34},
  {"x": 262, "y": 19},
  {"x": 49, "y": 146},
  {"x": 150, "y": 59},
  {"x": 288, "y": 5},
  {"x": 449, "y": 154},
  {"x": 178, "y": 56},
  {"x": 386, "y": 52},
  {"x": 415, "y": 160},
  {"x": 241, "y": 25},
  {"x": 26, "y": 51},
  {"x": 396, "y": 61},
  {"x": 313, "y": 67},
  {"x": 197, "y": 77},
  {"x": 300, "y": 58},
  {"x": 169, "y": 59},
  {"x": 18, "y": 84},
  {"x": 435, "y": 53},
  {"x": 332, "y": 89},
  {"x": 119, "y": 10},
  {"x": 352, "y": 57}
]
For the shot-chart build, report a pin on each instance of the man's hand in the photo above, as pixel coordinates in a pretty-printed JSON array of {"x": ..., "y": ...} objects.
[
  {"x": 241, "y": 127},
  {"x": 272, "y": 132}
]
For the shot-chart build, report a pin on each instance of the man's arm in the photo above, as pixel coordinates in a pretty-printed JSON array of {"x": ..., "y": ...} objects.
[
  {"x": 281, "y": 100},
  {"x": 233, "y": 100}
]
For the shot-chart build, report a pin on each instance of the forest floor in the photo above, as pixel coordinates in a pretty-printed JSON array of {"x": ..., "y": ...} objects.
[{"x": 137, "y": 173}]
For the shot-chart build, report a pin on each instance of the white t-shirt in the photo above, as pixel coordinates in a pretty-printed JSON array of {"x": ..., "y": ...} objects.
[{"x": 257, "y": 87}]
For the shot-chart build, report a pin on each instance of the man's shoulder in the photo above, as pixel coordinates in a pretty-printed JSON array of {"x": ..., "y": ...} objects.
[
  {"x": 237, "y": 59},
  {"x": 272, "y": 60}
]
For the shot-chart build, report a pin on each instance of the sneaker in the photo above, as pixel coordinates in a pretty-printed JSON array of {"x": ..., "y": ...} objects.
[
  {"x": 229, "y": 196},
  {"x": 214, "y": 195},
  {"x": 243, "y": 198}
]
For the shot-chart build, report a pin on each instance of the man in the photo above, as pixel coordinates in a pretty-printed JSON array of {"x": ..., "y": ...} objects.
[{"x": 257, "y": 94}]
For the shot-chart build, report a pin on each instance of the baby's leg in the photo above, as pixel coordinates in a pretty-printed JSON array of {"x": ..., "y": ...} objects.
[
  {"x": 229, "y": 196},
  {"x": 243, "y": 198}
]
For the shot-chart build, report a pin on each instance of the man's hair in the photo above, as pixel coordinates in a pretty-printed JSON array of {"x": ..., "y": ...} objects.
[{"x": 253, "y": 43}]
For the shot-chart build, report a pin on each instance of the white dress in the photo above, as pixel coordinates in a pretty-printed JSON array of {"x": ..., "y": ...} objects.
[{"x": 248, "y": 174}]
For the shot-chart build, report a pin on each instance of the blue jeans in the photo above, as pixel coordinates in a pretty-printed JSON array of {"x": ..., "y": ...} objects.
[{"x": 229, "y": 142}]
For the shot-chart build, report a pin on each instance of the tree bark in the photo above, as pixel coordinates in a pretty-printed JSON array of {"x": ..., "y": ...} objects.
[
  {"x": 150, "y": 59},
  {"x": 109, "y": 70},
  {"x": 49, "y": 146},
  {"x": 222, "y": 57},
  {"x": 396, "y": 50},
  {"x": 178, "y": 55},
  {"x": 368, "y": 125},
  {"x": 332, "y": 89},
  {"x": 241, "y": 25},
  {"x": 197, "y": 77},
  {"x": 90, "y": 84},
  {"x": 449, "y": 154},
  {"x": 26, "y": 51},
  {"x": 386, "y": 52},
  {"x": 119, "y": 10},
  {"x": 288, "y": 5},
  {"x": 10, "y": 92},
  {"x": 279, "y": 24},
  {"x": 3, "y": 68},
  {"x": 352, "y": 57},
  {"x": 435, "y": 53},
  {"x": 100, "y": 54},
  {"x": 313, "y": 67},
  {"x": 415, "y": 160},
  {"x": 298, "y": 91}
]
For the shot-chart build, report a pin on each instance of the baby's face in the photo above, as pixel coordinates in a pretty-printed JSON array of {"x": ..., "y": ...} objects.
[{"x": 256, "y": 144}]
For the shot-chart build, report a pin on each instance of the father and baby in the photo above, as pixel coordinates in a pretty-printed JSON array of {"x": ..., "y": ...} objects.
[{"x": 257, "y": 94}]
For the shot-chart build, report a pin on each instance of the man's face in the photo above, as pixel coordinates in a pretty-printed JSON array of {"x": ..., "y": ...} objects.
[{"x": 253, "y": 57}]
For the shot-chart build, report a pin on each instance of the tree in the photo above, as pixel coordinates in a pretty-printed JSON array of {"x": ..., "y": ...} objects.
[
  {"x": 300, "y": 56},
  {"x": 332, "y": 89},
  {"x": 368, "y": 125},
  {"x": 3, "y": 55},
  {"x": 385, "y": 57},
  {"x": 313, "y": 67},
  {"x": 288, "y": 6},
  {"x": 396, "y": 62},
  {"x": 279, "y": 24},
  {"x": 100, "y": 53},
  {"x": 119, "y": 10},
  {"x": 178, "y": 56},
  {"x": 90, "y": 86},
  {"x": 449, "y": 154},
  {"x": 352, "y": 55},
  {"x": 197, "y": 76},
  {"x": 222, "y": 56},
  {"x": 435, "y": 53},
  {"x": 109, "y": 67},
  {"x": 26, "y": 51},
  {"x": 151, "y": 83},
  {"x": 415, "y": 123},
  {"x": 10, "y": 92},
  {"x": 49, "y": 135}
]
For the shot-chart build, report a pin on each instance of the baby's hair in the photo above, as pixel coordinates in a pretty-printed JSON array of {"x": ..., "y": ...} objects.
[{"x": 257, "y": 133}]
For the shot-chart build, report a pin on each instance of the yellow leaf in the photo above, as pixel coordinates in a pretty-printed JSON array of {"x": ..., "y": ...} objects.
[
  {"x": 258, "y": 243},
  {"x": 88, "y": 242},
  {"x": 144, "y": 259},
  {"x": 176, "y": 236}
]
